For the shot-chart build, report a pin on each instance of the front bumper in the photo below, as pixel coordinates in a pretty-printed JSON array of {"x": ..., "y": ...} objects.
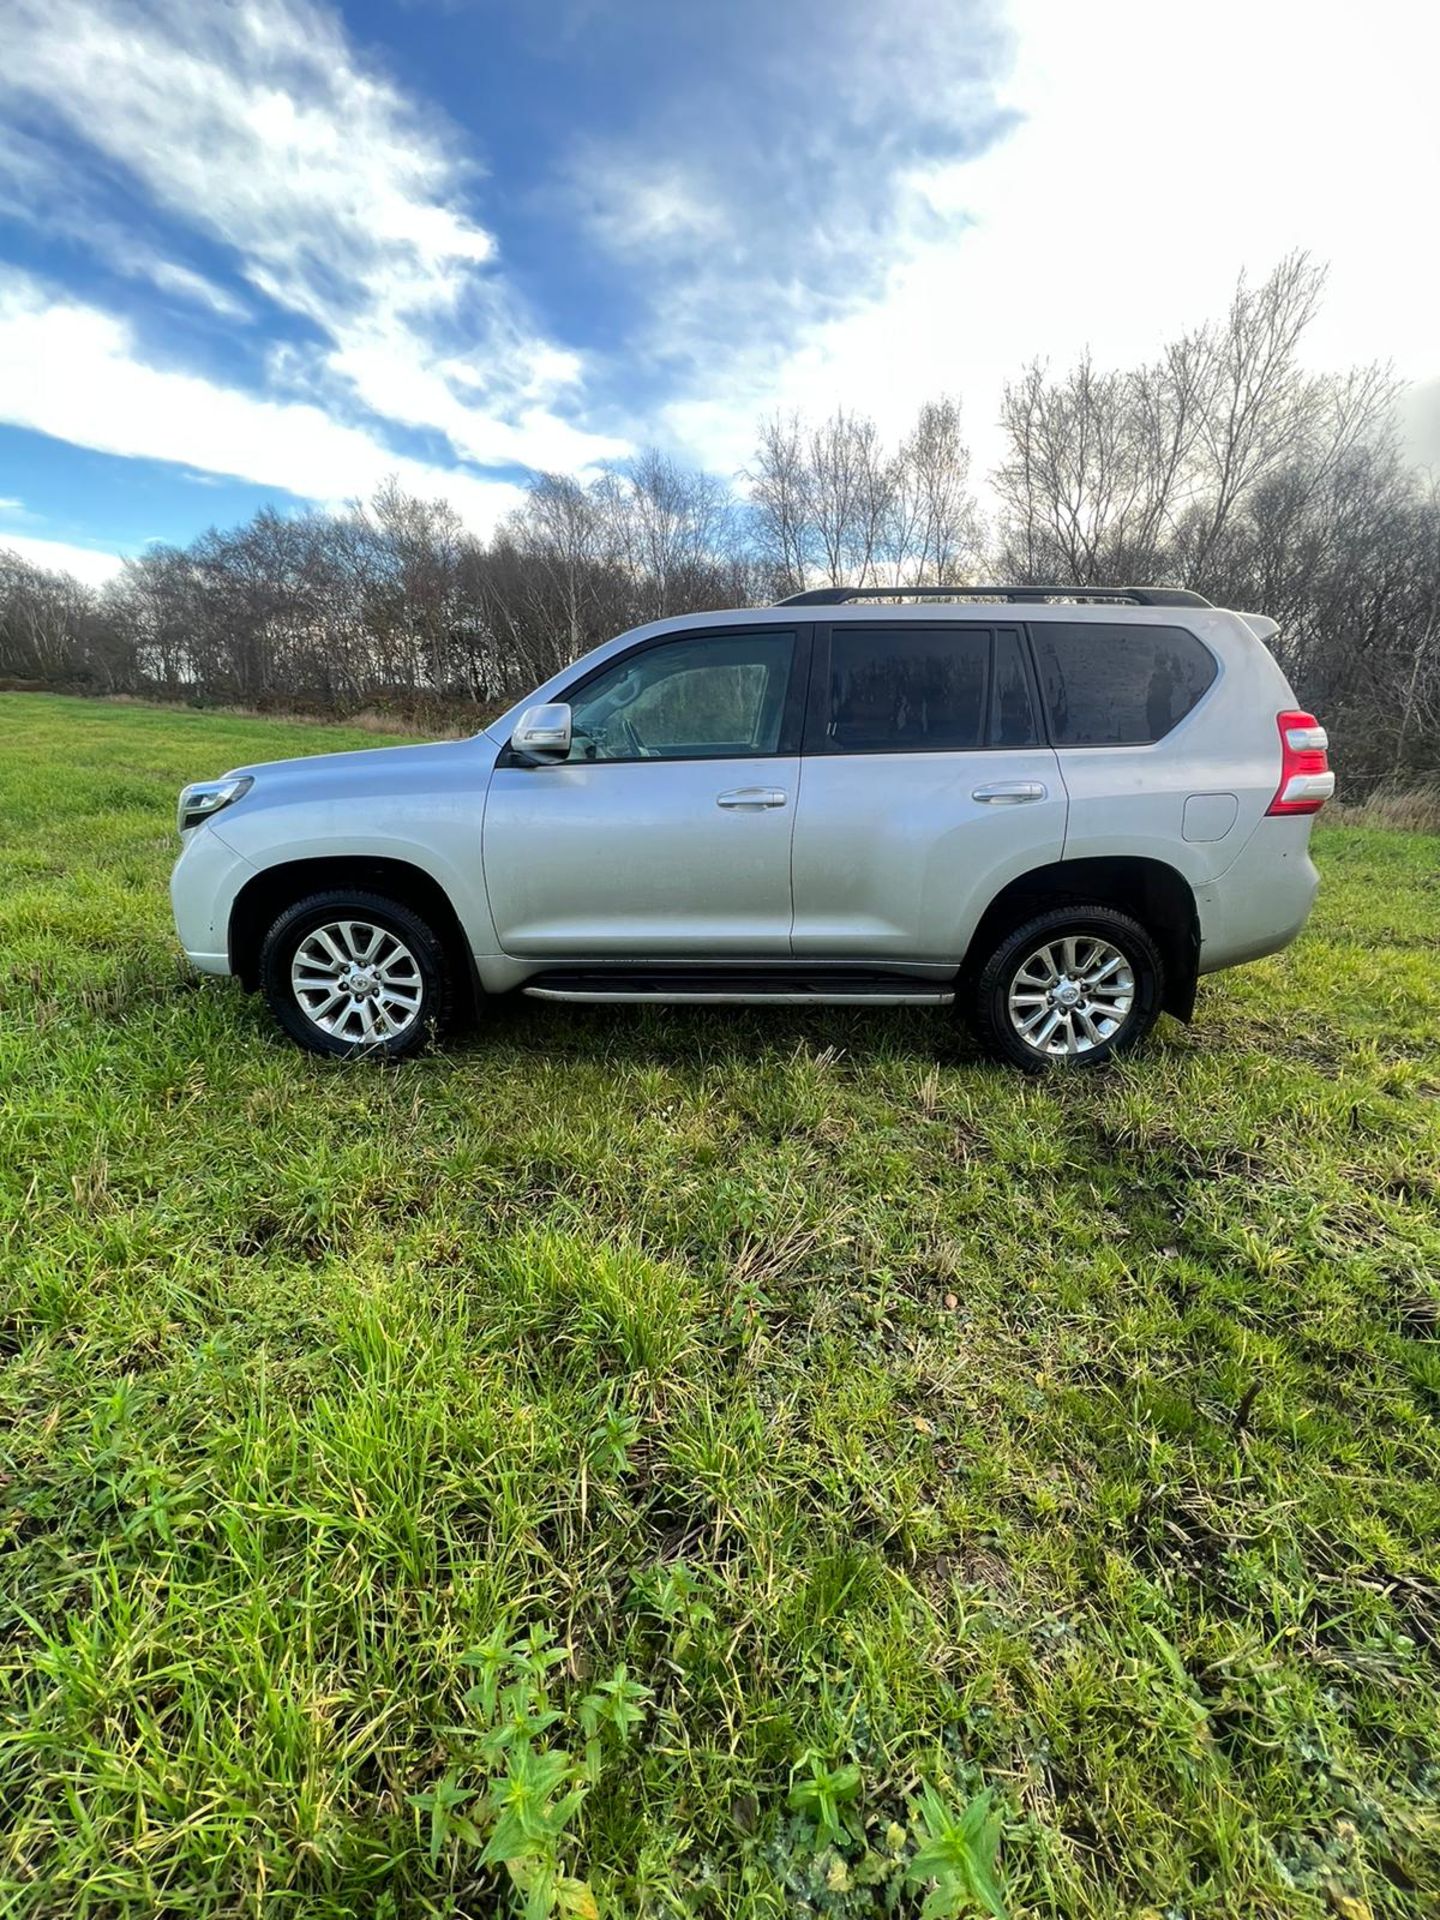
[{"x": 203, "y": 886}]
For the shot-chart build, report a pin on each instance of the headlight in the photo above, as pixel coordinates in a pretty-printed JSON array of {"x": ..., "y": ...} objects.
[{"x": 204, "y": 797}]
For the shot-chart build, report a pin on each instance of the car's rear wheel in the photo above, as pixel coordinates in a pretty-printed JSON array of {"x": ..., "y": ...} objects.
[
  {"x": 352, "y": 974},
  {"x": 1072, "y": 987}
]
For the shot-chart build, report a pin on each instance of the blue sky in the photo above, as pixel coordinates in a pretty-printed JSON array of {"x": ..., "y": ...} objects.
[{"x": 271, "y": 250}]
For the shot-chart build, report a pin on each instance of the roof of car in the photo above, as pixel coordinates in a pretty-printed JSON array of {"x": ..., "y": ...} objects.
[
  {"x": 980, "y": 603},
  {"x": 1071, "y": 595}
]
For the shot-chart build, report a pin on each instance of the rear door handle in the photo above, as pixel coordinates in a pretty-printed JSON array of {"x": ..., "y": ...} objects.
[
  {"x": 751, "y": 799},
  {"x": 1011, "y": 793}
]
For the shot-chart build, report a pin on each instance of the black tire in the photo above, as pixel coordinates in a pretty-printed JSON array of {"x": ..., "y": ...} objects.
[
  {"x": 430, "y": 977},
  {"x": 990, "y": 1000}
]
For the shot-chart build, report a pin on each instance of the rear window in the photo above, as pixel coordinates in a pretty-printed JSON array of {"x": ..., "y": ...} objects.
[{"x": 1120, "y": 686}]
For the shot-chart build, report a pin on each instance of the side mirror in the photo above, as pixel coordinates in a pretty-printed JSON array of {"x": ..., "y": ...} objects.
[{"x": 543, "y": 733}]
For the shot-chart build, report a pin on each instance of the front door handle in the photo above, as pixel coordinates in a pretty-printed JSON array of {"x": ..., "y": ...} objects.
[
  {"x": 752, "y": 799},
  {"x": 1011, "y": 793}
]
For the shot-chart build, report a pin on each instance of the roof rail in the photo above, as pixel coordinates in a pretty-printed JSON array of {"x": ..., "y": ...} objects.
[{"x": 1131, "y": 596}]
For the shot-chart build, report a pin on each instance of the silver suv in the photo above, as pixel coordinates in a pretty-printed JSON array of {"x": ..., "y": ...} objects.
[{"x": 1052, "y": 809}]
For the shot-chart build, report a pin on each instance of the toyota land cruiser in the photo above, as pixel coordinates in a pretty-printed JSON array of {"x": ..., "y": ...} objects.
[{"x": 1053, "y": 807}]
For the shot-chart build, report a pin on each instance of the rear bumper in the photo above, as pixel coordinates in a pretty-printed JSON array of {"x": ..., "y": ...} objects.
[
  {"x": 1259, "y": 904},
  {"x": 203, "y": 886}
]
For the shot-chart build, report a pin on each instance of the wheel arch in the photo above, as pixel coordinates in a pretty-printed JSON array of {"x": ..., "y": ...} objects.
[
  {"x": 1156, "y": 894},
  {"x": 269, "y": 892}
]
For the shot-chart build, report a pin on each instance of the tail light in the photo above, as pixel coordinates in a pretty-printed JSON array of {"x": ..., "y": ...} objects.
[{"x": 1306, "y": 781}]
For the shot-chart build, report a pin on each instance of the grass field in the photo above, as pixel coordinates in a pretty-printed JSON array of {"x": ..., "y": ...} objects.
[{"x": 683, "y": 1461}]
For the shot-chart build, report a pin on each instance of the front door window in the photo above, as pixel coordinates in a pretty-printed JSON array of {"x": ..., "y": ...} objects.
[{"x": 698, "y": 698}]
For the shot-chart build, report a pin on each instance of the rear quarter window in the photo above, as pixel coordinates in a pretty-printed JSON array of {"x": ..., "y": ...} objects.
[{"x": 1118, "y": 686}]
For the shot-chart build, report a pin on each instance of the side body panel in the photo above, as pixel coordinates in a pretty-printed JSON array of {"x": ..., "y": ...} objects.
[
  {"x": 895, "y": 858},
  {"x": 1196, "y": 800},
  {"x": 1262, "y": 900},
  {"x": 641, "y": 860},
  {"x": 421, "y": 805}
]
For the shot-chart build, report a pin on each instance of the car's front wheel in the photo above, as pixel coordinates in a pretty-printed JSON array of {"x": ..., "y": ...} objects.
[
  {"x": 1072, "y": 987},
  {"x": 350, "y": 973}
]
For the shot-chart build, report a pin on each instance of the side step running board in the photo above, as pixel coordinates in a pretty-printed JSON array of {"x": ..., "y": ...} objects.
[{"x": 745, "y": 986}]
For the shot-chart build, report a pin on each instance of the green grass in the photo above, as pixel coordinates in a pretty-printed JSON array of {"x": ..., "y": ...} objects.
[{"x": 904, "y": 1429}]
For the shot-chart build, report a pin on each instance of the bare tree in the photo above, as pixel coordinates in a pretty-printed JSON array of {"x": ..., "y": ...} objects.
[
  {"x": 833, "y": 500},
  {"x": 1258, "y": 402},
  {"x": 1419, "y": 715},
  {"x": 1094, "y": 463},
  {"x": 849, "y": 492},
  {"x": 935, "y": 529},
  {"x": 43, "y": 622},
  {"x": 1144, "y": 472},
  {"x": 672, "y": 524},
  {"x": 781, "y": 502},
  {"x": 565, "y": 527}
]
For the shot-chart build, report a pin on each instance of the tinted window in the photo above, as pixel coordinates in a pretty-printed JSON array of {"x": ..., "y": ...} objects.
[
  {"x": 703, "y": 697},
  {"x": 1118, "y": 686},
  {"x": 1012, "y": 711},
  {"x": 899, "y": 689}
]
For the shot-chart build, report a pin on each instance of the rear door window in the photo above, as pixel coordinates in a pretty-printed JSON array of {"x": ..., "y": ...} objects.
[
  {"x": 1118, "y": 686},
  {"x": 907, "y": 689}
]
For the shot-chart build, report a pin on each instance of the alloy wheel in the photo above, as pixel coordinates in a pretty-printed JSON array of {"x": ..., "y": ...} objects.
[
  {"x": 1071, "y": 995},
  {"x": 357, "y": 981}
]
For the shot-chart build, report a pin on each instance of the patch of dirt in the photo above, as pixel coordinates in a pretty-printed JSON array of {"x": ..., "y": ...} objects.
[
  {"x": 1176, "y": 1539},
  {"x": 265, "y": 1232},
  {"x": 976, "y": 1567},
  {"x": 1418, "y": 1313},
  {"x": 1163, "y": 1156}
]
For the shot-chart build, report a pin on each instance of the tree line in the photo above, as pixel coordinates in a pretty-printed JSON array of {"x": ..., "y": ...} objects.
[{"x": 1224, "y": 465}]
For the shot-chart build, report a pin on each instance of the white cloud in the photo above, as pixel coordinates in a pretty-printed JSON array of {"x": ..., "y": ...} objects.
[
  {"x": 1159, "y": 151},
  {"x": 92, "y": 565},
  {"x": 425, "y": 396},
  {"x": 62, "y": 202},
  {"x": 72, "y": 371},
  {"x": 171, "y": 277},
  {"x": 638, "y": 209},
  {"x": 256, "y": 125}
]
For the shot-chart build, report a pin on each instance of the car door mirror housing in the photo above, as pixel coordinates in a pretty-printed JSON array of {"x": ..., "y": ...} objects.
[{"x": 542, "y": 733}]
